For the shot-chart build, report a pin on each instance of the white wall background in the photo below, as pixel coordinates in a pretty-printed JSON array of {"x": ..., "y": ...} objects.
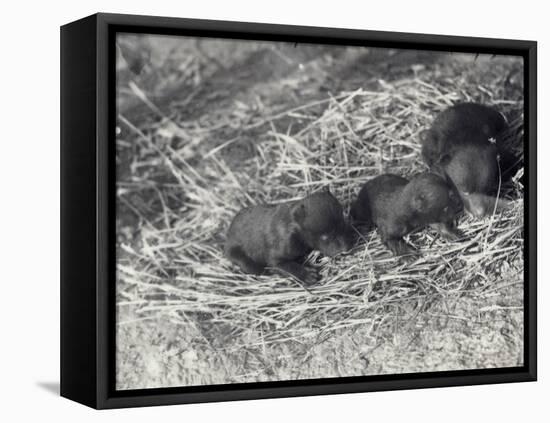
[{"x": 29, "y": 178}]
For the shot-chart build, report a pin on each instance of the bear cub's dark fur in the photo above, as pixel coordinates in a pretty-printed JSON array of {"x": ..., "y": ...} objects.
[
  {"x": 281, "y": 235},
  {"x": 397, "y": 206},
  {"x": 465, "y": 142}
]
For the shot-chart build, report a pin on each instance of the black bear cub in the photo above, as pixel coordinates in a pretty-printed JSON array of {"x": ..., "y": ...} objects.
[
  {"x": 465, "y": 142},
  {"x": 281, "y": 235},
  {"x": 397, "y": 206}
]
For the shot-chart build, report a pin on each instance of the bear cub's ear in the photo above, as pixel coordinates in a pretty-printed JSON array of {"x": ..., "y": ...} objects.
[{"x": 429, "y": 140}]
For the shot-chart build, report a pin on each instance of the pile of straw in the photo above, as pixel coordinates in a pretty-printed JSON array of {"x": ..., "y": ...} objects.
[{"x": 171, "y": 262}]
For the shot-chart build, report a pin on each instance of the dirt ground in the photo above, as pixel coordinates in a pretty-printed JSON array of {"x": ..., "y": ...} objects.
[{"x": 227, "y": 105}]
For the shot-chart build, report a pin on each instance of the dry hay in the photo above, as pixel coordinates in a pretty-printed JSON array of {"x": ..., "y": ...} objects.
[{"x": 172, "y": 264}]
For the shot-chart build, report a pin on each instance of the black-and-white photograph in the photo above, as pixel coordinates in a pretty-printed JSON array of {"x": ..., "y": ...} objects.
[{"x": 291, "y": 211}]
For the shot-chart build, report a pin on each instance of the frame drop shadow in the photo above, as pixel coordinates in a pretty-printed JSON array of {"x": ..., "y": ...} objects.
[{"x": 51, "y": 387}]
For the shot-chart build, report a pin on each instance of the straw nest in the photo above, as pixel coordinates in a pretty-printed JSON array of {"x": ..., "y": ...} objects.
[{"x": 186, "y": 182}]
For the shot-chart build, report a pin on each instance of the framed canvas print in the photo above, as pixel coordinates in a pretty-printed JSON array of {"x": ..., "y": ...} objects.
[{"x": 255, "y": 211}]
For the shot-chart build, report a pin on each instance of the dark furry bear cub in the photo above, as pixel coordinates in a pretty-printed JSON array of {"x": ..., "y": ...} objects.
[
  {"x": 397, "y": 206},
  {"x": 465, "y": 142},
  {"x": 281, "y": 235}
]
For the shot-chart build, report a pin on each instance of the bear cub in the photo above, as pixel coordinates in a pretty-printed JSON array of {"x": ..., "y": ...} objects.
[
  {"x": 397, "y": 206},
  {"x": 280, "y": 236},
  {"x": 465, "y": 142}
]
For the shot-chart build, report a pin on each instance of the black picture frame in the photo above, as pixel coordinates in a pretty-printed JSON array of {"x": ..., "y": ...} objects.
[{"x": 87, "y": 210}]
